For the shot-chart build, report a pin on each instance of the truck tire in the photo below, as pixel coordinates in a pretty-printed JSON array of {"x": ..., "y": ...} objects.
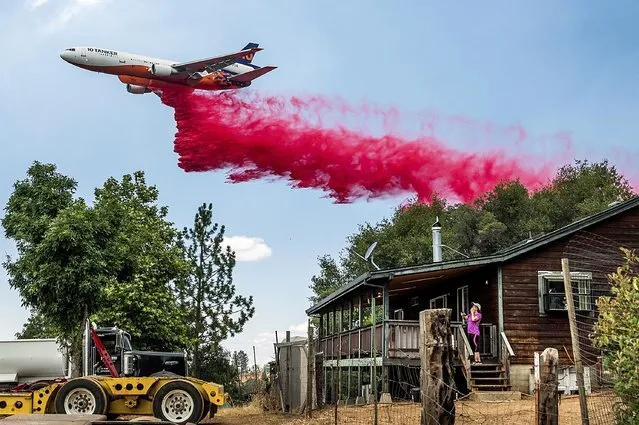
[
  {"x": 206, "y": 409},
  {"x": 81, "y": 396},
  {"x": 179, "y": 402},
  {"x": 164, "y": 374}
]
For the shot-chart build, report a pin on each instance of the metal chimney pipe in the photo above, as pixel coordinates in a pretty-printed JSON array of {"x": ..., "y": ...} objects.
[{"x": 437, "y": 241}]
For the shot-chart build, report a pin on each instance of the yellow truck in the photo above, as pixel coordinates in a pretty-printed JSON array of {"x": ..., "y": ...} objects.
[{"x": 117, "y": 380}]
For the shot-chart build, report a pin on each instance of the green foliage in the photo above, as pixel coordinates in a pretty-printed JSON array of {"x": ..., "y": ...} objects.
[
  {"x": 241, "y": 361},
  {"x": 207, "y": 293},
  {"x": 58, "y": 249},
  {"x": 122, "y": 263},
  {"x": 36, "y": 327},
  {"x": 216, "y": 365},
  {"x": 144, "y": 255},
  {"x": 505, "y": 216},
  {"x": 112, "y": 261},
  {"x": 616, "y": 333}
]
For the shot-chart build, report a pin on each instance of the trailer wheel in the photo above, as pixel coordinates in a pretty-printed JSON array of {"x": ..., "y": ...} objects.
[
  {"x": 179, "y": 402},
  {"x": 81, "y": 396}
]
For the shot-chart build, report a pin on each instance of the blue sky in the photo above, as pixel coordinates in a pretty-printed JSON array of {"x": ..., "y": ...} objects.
[{"x": 549, "y": 66}]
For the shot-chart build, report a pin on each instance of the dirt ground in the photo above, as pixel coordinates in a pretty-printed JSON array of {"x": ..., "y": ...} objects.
[{"x": 467, "y": 413}]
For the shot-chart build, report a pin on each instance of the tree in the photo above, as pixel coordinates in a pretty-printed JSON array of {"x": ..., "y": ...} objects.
[
  {"x": 37, "y": 327},
  {"x": 112, "y": 261},
  {"x": 216, "y": 365},
  {"x": 207, "y": 294},
  {"x": 58, "y": 250},
  {"x": 241, "y": 360},
  {"x": 144, "y": 255},
  {"x": 507, "y": 215},
  {"x": 616, "y": 332},
  {"x": 330, "y": 278},
  {"x": 582, "y": 189}
]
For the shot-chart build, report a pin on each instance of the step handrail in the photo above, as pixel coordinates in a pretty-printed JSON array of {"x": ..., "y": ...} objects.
[
  {"x": 463, "y": 352},
  {"x": 506, "y": 343},
  {"x": 506, "y": 353}
]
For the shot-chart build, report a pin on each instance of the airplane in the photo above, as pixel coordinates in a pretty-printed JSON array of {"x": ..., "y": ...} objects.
[{"x": 143, "y": 74}]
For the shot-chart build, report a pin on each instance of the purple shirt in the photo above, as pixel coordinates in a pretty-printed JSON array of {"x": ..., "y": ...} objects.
[{"x": 473, "y": 327}]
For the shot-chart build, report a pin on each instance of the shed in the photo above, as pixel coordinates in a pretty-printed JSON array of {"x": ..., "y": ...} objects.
[{"x": 292, "y": 374}]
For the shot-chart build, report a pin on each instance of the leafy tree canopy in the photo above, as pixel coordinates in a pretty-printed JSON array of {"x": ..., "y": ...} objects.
[
  {"x": 112, "y": 261},
  {"x": 508, "y": 214}
]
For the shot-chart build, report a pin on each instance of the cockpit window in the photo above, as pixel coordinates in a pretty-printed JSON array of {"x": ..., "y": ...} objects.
[{"x": 71, "y": 50}]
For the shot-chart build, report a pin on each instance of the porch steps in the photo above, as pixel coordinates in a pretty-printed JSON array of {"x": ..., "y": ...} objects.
[{"x": 488, "y": 377}]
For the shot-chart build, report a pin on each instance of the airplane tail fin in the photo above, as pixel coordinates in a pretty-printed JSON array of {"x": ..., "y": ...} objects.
[{"x": 246, "y": 60}]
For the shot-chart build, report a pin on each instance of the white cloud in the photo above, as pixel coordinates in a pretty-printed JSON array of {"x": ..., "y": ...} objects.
[
  {"x": 68, "y": 12},
  {"x": 248, "y": 248},
  {"x": 299, "y": 330},
  {"x": 34, "y": 4}
]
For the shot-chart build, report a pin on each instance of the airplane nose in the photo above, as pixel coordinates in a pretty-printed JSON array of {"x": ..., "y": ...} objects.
[{"x": 66, "y": 55}]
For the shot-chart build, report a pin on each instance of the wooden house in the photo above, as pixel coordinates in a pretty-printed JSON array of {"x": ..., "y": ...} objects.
[{"x": 521, "y": 292}]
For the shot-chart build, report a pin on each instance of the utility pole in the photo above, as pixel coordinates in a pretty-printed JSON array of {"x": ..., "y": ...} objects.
[{"x": 255, "y": 367}]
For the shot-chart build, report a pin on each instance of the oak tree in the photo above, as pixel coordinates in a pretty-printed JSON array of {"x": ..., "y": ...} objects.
[{"x": 500, "y": 218}]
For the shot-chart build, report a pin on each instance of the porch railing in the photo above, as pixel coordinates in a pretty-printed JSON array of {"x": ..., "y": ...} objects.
[{"x": 403, "y": 340}]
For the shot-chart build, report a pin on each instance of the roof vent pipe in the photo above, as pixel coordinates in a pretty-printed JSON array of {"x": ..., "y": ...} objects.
[{"x": 437, "y": 241}]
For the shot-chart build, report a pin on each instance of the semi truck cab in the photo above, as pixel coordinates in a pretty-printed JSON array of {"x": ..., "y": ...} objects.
[{"x": 131, "y": 362}]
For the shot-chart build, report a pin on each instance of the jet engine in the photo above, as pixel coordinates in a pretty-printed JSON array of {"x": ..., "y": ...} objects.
[
  {"x": 137, "y": 89},
  {"x": 161, "y": 70}
]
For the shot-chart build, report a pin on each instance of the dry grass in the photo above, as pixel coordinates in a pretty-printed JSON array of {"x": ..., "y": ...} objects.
[{"x": 467, "y": 413}]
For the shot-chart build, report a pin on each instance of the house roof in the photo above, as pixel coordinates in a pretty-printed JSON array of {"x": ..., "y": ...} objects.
[{"x": 501, "y": 256}]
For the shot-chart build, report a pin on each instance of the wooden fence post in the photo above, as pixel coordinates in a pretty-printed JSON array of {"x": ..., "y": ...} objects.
[
  {"x": 437, "y": 368},
  {"x": 574, "y": 334},
  {"x": 548, "y": 401}
]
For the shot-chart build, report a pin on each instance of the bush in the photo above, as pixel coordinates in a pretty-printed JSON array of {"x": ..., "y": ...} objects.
[{"x": 617, "y": 334}]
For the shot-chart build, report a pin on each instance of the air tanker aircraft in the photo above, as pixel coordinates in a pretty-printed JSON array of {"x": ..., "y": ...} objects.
[{"x": 143, "y": 74}]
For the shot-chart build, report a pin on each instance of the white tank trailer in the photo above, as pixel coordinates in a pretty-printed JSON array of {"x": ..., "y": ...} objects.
[{"x": 29, "y": 360}]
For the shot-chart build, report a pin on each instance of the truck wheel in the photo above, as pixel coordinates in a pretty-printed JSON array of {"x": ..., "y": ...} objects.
[
  {"x": 164, "y": 374},
  {"x": 179, "y": 402},
  {"x": 81, "y": 396},
  {"x": 206, "y": 409}
]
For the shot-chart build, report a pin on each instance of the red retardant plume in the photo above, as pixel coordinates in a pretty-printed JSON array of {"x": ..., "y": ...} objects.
[{"x": 257, "y": 137}]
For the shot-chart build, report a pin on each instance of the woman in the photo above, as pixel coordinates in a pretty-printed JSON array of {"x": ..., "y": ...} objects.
[{"x": 474, "y": 318}]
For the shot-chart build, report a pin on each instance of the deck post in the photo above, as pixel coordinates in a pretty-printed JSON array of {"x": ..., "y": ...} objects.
[
  {"x": 385, "y": 341},
  {"x": 437, "y": 368}
]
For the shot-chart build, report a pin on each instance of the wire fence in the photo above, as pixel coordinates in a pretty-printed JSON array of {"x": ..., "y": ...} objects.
[{"x": 596, "y": 257}]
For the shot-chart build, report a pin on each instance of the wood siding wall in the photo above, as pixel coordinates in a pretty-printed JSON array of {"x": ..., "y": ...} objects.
[{"x": 593, "y": 250}]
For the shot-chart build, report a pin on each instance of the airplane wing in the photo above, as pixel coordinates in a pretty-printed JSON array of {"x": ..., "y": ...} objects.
[
  {"x": 251, "y": 75},
  {"x": 213, "y": 64}
]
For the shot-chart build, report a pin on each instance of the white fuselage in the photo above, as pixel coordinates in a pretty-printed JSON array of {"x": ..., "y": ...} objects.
[{"x": 118, "y": 62}]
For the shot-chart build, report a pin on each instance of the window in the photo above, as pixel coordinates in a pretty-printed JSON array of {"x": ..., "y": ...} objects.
[
  {"x": 439, "y": 302},
  {"x": 552, "y": 296},
  {"x": 462, "y": 302}
]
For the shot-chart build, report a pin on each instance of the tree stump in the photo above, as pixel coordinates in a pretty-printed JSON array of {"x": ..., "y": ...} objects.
[
  {"x": 437, "y": 368},
  {"x": 548, "y": 404}
]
